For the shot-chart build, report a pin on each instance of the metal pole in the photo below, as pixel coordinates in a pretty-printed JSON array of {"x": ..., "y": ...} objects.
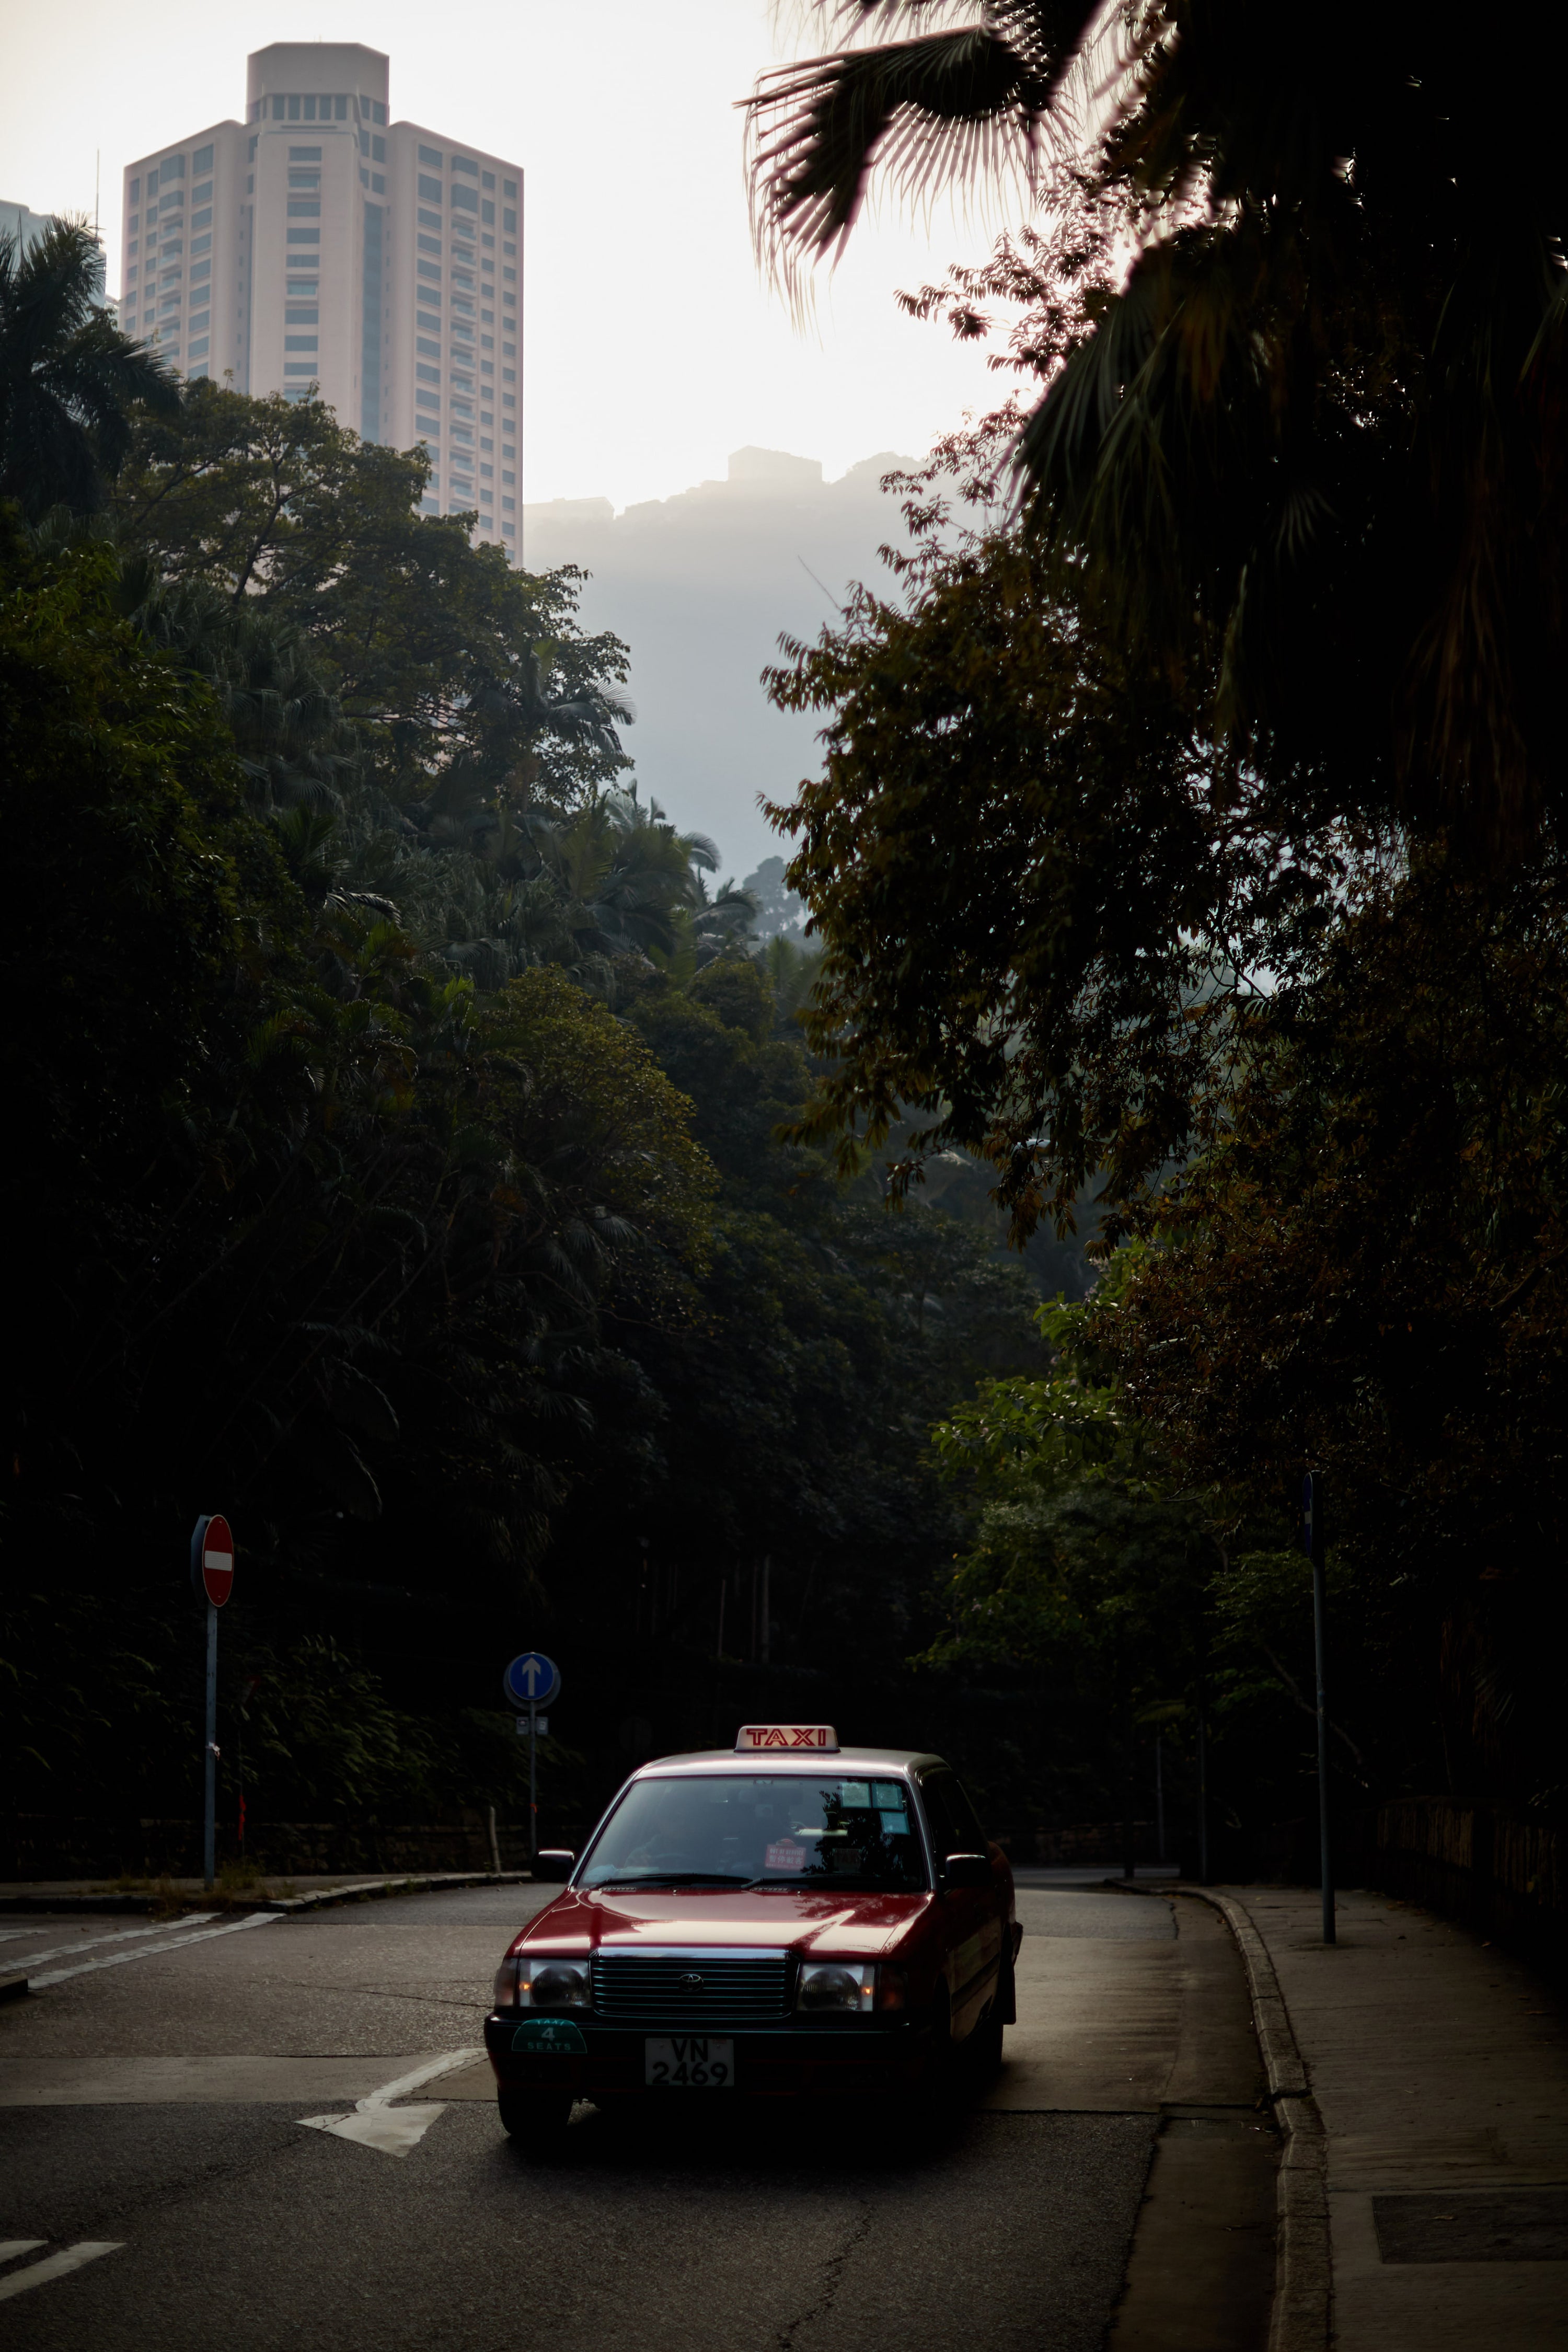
[
  {"x": 1202, "y": 1800},
  {"x": 209, "y": 1839},
  {"x": 1160, "y": 1796},
  {"x": 1312, "y": 1543},
  {"x": 533, "y": 1781}
]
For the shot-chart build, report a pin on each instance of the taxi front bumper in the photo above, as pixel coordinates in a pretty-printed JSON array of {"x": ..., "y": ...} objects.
[{"x": 790, "y": 2060}]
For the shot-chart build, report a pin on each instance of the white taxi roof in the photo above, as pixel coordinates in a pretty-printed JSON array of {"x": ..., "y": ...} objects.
[{"x": 830, "y": 1764}]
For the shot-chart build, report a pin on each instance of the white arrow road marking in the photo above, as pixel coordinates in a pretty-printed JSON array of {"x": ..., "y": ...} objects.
[
  {"x": 58, "y": 2265},
  {"x": 147, "y": 1951},
  {"x": 119, "y": 1936},
  {"x": 375, "y": 2123},
  {"x": 11, "y": 2247}
]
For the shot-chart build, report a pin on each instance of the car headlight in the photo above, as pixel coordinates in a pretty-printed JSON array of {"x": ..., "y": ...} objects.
[
  {"x": 836, "y": 1987},
  {"x": 535, "y": 1981},
  {"x": 544, "y": 1984}
]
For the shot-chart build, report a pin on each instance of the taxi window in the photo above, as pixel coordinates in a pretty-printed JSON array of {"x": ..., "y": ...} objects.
[
  {"x": 755, "y": 1829},
  {"x": 949, "y": 1831},
  {"x": 954, "y": 1824}
]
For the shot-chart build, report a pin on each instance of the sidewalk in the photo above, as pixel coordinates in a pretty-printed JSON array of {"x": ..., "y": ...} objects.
[{"x": 1439, "y": 2067}]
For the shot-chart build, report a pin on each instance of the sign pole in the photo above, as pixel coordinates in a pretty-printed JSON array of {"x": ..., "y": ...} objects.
[
  {"x": 533, "y": 1781},
  {"x": 209, "y": 1837},
  {"x": 212, "y": 1574},
  {"x": 1312, "y": 1545}
]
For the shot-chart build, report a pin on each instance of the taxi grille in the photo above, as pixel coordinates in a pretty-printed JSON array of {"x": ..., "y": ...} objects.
[{"x": 728, "y": 1992}]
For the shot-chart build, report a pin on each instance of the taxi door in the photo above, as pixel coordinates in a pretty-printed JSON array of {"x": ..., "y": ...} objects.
[{"x": 973, "y": 1925}]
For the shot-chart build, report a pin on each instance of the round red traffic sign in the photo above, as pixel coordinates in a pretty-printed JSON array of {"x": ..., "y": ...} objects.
[{"x": 217, "y": 1560}]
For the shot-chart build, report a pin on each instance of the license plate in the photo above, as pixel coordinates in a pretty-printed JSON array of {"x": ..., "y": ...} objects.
[{"x": 689, "y": 2062}]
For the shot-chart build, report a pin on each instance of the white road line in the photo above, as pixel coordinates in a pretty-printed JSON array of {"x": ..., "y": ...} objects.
[
  {"x": 375, "y": 2123},
  {"x": 119, "y": 1936},
  {"x": 14, "y": 1935},
  {"x": 11, "y": 2247},
  {"x": 58, "y": 2265},
  {"x": 149, "y": 1951}
]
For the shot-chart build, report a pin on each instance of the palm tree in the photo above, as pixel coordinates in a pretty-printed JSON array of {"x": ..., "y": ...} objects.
[
  {"x": 69, "y": 377},
  {"x": 1314, "y": 438}
]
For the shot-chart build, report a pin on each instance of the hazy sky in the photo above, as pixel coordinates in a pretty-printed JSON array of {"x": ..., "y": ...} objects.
[{"x": 652, "y": 348}]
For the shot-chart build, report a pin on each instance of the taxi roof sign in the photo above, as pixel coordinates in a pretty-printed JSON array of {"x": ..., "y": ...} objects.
[{"x": 812, "y": 1738}]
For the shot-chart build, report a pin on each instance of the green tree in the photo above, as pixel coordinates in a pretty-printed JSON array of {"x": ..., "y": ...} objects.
[
  {"x": 1315, "y": 432},
  {"x": 69, "y": 381}
]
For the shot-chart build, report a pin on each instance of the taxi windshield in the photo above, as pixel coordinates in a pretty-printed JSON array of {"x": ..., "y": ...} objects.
[{"x": 750, "y": 1828}]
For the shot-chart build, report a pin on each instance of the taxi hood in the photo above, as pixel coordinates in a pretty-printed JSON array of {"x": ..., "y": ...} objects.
[{"x": 793, "y": 1918}]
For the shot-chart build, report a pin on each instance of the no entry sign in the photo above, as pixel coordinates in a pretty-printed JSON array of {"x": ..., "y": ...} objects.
[{"x": 215, "y": 1558}]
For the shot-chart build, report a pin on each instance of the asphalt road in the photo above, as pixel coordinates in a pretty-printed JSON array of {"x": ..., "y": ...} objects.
[{"x": 158, "y": 2106}]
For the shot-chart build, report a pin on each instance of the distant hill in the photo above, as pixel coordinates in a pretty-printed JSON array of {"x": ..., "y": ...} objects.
[{"x": 701, "y": 586}]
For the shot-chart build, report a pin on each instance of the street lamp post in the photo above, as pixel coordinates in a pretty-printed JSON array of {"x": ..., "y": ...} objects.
[{"x": 1312, "y": 1545}]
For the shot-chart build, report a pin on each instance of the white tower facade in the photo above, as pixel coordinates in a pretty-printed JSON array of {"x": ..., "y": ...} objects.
[{"x": 317, "y": 246}]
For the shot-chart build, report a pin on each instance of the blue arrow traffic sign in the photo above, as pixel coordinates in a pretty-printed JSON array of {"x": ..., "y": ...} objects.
[{"x": 532, "y": 1679}]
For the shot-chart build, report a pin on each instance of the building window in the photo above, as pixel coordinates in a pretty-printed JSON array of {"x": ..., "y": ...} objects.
[
  {"x": 300, "y": 343},
  {"x": 465, "y": 199},
  {"x": 466, "y": 164},
  {"x": 202, "y": 220},
  {"x": 304, "y": 155},
  {"x": 172, "y": 167},
  {"x": 304, "y": 208},
  {"x": 304, "y": 287},
  {"x": 509, "y": 187},
  {"x": 131, "y": 273},
  {"x": 378, "y": 151},
  {"x": 136, "y": 190},
  {"x": 200, "y": 269},
  {"x": 428, "y": 374},
  {"x": 508, "y": 478},
  {"x": 488, "y": 210},
  {"x": 303, "y": 236},
  {"x": 508, "y": 531},
  {"x": 431, "y": 327},
  {"x": 378, "y": 182},
  {"x": 202, "y": 196},
  {"x": 200, "y": 321},
  {"x": 378, "y": 113},
  {"x": 428, "y": 268},
  {"x": 509, "y": 222},
  {"x": 429, "y": 191},
  {"x": 429, "y": 244},
  {"x": 431, "y": 351},
  {"x": 306, "y": 315},
  {"x": 430, "y": 220},
  {"x": 509, "y": 400},
  {"x": 300, "y": 367},
  {"x": 199, "y": 349},
  {"x": 431, "y": 155}
]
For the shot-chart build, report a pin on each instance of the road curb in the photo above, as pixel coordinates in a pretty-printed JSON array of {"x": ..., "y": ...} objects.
[
  {"x": 368, "y": 1890},
  {"x": 1302, "y": 2315}
]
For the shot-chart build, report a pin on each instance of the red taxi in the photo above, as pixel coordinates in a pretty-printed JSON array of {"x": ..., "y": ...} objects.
[{"x": 786, "y": 1919}]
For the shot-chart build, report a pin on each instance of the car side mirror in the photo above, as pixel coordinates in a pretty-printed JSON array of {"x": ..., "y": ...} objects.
[
  {"x": 966, "y": 1870},
  {"x": 554, "y": 1865}
]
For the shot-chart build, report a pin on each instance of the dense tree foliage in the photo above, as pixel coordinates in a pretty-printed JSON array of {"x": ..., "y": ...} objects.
[
  {"x": 1189, "y": 835},
  {"x": 1312, "y": 431},
  {"x": 399, "y": 1172}
]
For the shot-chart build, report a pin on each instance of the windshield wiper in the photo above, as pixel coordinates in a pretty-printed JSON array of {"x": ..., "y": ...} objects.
[{"x": 670, "y": 1878}]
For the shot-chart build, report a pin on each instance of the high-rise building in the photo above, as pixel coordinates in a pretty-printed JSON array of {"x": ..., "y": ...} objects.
[{"x": 317, "y": 246}]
